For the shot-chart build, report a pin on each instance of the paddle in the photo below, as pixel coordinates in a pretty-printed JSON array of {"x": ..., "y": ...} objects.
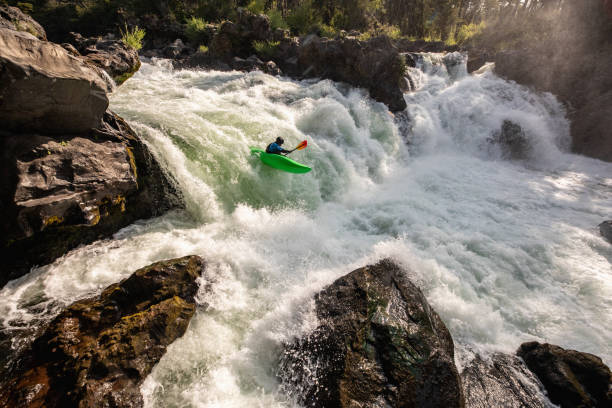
[{"x": 301, "y": 146}]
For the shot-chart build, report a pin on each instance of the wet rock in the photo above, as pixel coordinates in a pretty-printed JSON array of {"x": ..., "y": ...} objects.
[
  {"x": 176, "y": 49},
  {"x": 58, "y": 192},
  {"x": 501, "y": 381},
  {"x": 571, "y": 378},
  {"x": 375, "y": 64},
  {"x": 45, "y": 89},
  {"x": 236, "y": 38},
  {"x": 98, "y": 351},
  {"x": 14, "y": 19},
  {"x": 118, "y": 60},
  {"x": 512, "y": 140},
  {"x": 605, "y": 229},
  {"x": 378, "y": 343}
]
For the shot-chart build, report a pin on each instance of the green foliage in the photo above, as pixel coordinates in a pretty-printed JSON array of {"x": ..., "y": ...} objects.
[
  {"x": 327, "y": 31},
  {"x": 256, "y": 6},
  {"x": 303, "y": 18},
  {"x": 277, "y": 20},
  {"x": 390, "y": 31},
  {"x": 133, "y": 38},
  {"x": 27, "y": 8},
  {"x": 203, "y": 48},
  {"x": 468, "y": 31},
  {"x": 195, "y": 30},
  {"x": 266, "y": 49}
]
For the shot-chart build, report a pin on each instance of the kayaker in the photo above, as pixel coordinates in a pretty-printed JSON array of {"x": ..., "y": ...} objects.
[{"x": 275, "y": 147}]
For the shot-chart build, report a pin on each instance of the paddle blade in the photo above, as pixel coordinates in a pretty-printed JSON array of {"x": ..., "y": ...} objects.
[{"x": 301, "y": 145}]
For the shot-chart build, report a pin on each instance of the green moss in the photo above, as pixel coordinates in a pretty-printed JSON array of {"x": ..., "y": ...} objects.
[
  {"x": 130, "y": 152},
  {"x": 124, "y": 77},
  {"x": 53, "y": 220}
]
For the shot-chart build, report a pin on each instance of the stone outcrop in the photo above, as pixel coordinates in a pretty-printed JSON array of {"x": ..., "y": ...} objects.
[
  {"x": 512, "y": 141},
  {"x": 571, "y": 378},
  {"x": 14, "y": 19},
  {"x": 378, "y": 343},
  {"x": 60, "y": 192},
  {"x": 98, "y": 351},
  {"x": 118, "y": 60},
  {"x": 605, "y": 229},
  {"x": 375, "y": 65},
  {"x": 573, "y": 64},
  {"x": 45, "y": 89},
  {"x": 501, "y": 381},
  {"x": 236, "y": 38}
]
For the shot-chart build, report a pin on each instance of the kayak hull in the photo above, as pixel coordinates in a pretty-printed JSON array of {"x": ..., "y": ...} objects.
[{"x": 280, "y": 162}]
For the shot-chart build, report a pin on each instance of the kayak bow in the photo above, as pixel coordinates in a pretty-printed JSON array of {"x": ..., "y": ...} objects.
[{"x": 280, "y": 162}]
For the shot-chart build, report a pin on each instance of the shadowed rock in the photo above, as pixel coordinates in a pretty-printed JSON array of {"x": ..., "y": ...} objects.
[
  {"x": 571, "y": 378},
  {"x": 379, "y": 343},
  {"x": 98, "y": 351},
  {"x": 118, "y": 60},
  {"x": 60, "y": 192},
  {"x": 45, "y": 89},
  {"x": 501, "y": 381},
  {"x": 605, "y": 229},
  {"x": 14, "y": 19}
]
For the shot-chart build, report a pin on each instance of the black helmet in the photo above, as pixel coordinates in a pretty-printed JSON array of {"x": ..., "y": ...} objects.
[{"x": 280, "y": 140}]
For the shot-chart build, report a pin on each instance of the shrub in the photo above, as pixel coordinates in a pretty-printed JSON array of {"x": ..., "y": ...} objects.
[
  {"x": 266, "y": 49},
  {"x": 303, "y": 17},
  {"x": 256, "y": 6},
  {"x": 27, "y": 8},
  {"x": 390, "y": 31},
  {"x": 133, "y": 38},
  {"x": 467, "y": 31},
  {"x": 277, "y": 20},
  {"x": 195, "y": 30},
  {"x": 327, "y": 31},
  {"x": 203, "y": 48}
]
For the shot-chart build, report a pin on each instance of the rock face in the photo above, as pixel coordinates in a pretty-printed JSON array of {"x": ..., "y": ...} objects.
[
  {"x": 571, "y": 378},
  {"x": 605, "y": 229},
  {"x": 501, "y": 381},
  {"x": 512, "y": 140},
  {"x": 98, "y": 351},
  {"x": 375, "y": 64},
  {"x": 45, "y": 89},
  {"x": 559, "y": 64},
  {"x": 60, "y": 192},
  {"x": 236, "y": 38},
  {"x": 378, "y": 343},
  {"x": 14, "y": 19},
  {"x": 118, "y": 60}
]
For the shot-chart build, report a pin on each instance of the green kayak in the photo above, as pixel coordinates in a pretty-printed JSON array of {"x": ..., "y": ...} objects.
[{"x": 280, "y": 162}]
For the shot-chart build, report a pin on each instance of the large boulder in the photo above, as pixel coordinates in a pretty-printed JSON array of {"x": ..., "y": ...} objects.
[
  {"x": 14, "y": 19},
  {"x": 98, "y": 351},
  {"x": 118, "y": 60},
  {"x": 577, "y": 49},
  {"x": 45, "y": 89},
  {"x": 236, "y": 38},
  {"x": 605, "y": 229},
  {"x": 572, "y": 379},
  {"x": 60, "y": 192},
  {"x": 501, "y": 380},
  {"x": 378, "y": 343},
  {"x": 375, "y": 65}
]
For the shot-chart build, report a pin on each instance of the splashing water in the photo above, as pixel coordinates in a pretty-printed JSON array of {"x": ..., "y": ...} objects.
[{"x": 506, "y": 251}]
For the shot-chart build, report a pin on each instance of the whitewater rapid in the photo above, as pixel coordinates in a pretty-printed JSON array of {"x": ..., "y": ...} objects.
[{"x": 505, "y": 250}]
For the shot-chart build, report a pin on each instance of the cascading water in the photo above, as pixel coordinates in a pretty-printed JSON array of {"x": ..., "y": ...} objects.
[{"x": 506, "y": 251}]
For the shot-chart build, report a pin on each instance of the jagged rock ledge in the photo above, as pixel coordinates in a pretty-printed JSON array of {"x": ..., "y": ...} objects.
[
  {"x": 98, "y": 351},
  {"x": 72, "y": 171}
]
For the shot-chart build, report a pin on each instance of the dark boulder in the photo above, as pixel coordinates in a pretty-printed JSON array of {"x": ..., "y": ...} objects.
[
  {"x": 501, "y": 380},
  {"x": 118, "y": 60},
  {"x": 43, "y": 88},
  {"x": 512, "y": 141},
  {"x": 571, "y": 378},
  {"x": 375, "y": 65},
  {"x": 14, "y": 19},
  {"x": 60, "y": 192},
  {"x": 378, "y": 343},
  {"x": 236, "y": 38},
  {"x": 98, "y": 351},
  {"x": 605, "y": 229}
]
